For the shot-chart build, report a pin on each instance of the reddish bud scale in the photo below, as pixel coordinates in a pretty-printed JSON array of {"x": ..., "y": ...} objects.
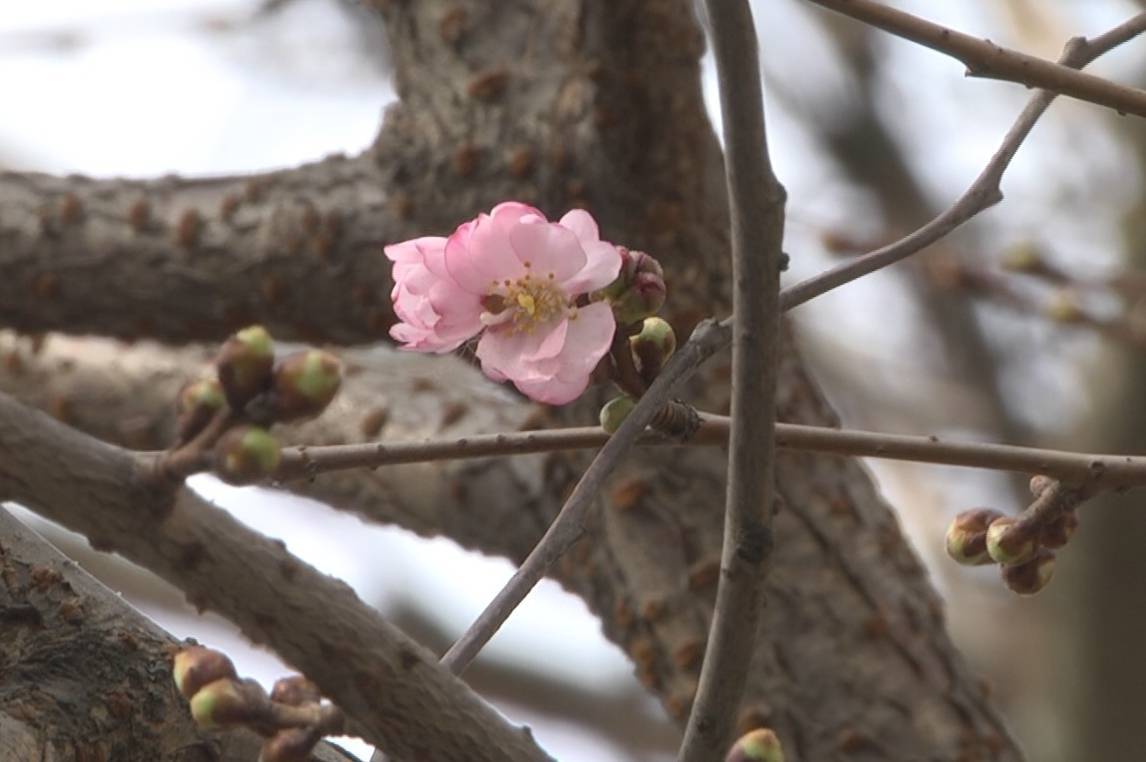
[
  {"x": 197, "y": 666},
  {"x": 290, "y": 745},
  {"x": 244, "y": 364},
  {"x": 1057, "y": 533},
  {"x": 305, "y": 383},
  {"x": 639, "y": 290},
  {"x": 1009, "y": 543},
  {"x": 295, "y": 690},
  {"x": 966, "y": 539},
  {"x": 1032, "y": 576}
]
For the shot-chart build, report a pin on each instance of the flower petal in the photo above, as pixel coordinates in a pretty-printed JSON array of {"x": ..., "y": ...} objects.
[
  {"x": 589, "y": 337},
  {"x": 479, "y": 255},
  {"x": 554, "y": 391},
  {"x": 546, "y": 247},
  {"x": 582, "y": 224},
  {"x": 601, "y": 269}
]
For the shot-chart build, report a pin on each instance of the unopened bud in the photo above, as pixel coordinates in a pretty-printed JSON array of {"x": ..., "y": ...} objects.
[
  {"x": 615, "y": 411},
  {"x": 1023, "y": 257},
  {"x": 244, "y": 364},
  {"x": 1032, "y": 576},
  {"x": 1040, "y": 484},
  {"x": 197, "y": 404},
  {"x": 760, "y": 745},
  {"x": 1057, "y": 533},
  {"x": 197, "y": 666},
  {"x": 967, "y": 536},
  {"x": 305, "y": 383},
  {"x": 290, "y": 745},
  {"x": 1064, "y": 308},
  {"x": 1009, "y": 544},
  {"x": 639, "y": 290},
  {"x": 295, "y": 690},
  {"x": 226, "y": 702},
  {"x": 653, "y": 346},
  {"x": 246, "y": 454}
]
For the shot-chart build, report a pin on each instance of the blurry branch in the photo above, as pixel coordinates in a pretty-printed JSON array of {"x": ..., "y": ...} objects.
[
  {"x": 386, "y": 684},
  {"x": 984, "y": 58},
  {"x": 983, "y": 193},
  {"x": 757, "y": 232},
  {"x": 612, "y": 710}
]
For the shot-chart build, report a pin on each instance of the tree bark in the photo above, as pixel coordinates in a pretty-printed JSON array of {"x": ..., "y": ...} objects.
[{"x": 560, "y": 103}]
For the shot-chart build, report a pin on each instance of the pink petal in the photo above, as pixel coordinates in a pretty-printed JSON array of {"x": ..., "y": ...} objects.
[
  {"x": 589, "y": 337},
  {"x": 554, "y": 391},
  {"x": 481, "y": 256},
  {"x": 509, "y": 213},
  {"x": 602, "y": 268},
  {"x": 547, "y": 248},
  {"x": 505, "y": 351},
  {"x": 553, "y": 343},
  {"x": 582, "y": 224}
]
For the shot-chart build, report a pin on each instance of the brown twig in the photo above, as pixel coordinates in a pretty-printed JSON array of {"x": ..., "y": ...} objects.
[
  {"x": 984, "y": 58},
  {"x": 983, "y": 193},
  {"x": 757, "y": 200}
]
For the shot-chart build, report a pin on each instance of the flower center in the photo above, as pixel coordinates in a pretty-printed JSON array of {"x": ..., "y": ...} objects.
[{"x": 521, "y": 305}]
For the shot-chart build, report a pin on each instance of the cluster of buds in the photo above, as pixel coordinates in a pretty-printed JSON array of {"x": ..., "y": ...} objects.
[
  {"x": 249, "y": 391},
  {"x": 639, "y": 290},
  {"x": 1023, "y": 546},
  {"x": 760, "y": 745},
  {"x": 292, "y": 719}
]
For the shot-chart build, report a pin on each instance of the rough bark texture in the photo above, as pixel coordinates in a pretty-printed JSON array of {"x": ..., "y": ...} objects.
[
  {"x": 83, "y": 676},
  {"x": 561, "y": 103}
]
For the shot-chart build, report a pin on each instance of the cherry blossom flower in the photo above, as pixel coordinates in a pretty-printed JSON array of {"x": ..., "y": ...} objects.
[{"x": 522, "y": 283}]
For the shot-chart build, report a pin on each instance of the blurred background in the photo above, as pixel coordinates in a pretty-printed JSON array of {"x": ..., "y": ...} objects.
[{"x": 1027, "y": 327}]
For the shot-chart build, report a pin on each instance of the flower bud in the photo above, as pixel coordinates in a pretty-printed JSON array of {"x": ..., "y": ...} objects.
[
  {"x": 1023, "y": 257},
  {"x": 615, "y": 411},
  {"x": 305, "y": 383},
  {"x": 639, "y": 290},
  {"x": 1039, "y": 484},
  {"x": 290, "y": 745},
  {"x": 760, "y": 745},
  {"x": 244, "y": 364},
  {"x": 246, "y": 454},
  {"x": 1008, "y": 544},
  {"x": 197, "y": 404},
  {"x": 197, "y": 666},
  {"x": 226, "y": 702},
  {"x": 652, "y": 347},
  {"x": 1032, "y": 576},
  {"x": 1064, "y": 308},
  {"x": 295, "y": 690},
  {"x": 1057, "y": 533},
  {"x": 967, "y": 536}
]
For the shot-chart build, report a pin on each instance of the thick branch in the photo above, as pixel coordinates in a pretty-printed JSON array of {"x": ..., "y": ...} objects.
[
  {"x": 388, "y": 685},
  {"x": 984, "y": 58},
  {"x": 757, "y": 223}
]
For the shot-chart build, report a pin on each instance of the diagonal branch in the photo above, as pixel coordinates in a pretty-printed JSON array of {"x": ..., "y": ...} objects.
[{"x": 984, "y": 58}]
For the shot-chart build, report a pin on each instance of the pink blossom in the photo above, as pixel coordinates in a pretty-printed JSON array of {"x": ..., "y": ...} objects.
[{"x": 515, "y": 278}]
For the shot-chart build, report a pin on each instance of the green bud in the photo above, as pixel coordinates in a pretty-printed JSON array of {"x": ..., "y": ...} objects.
[
  {"x": 295, "y": 690},
  {"x": 1024, "y": 257},
  {"x": 305, "y": 383},
  {"x": 1031, "y": 576},
  {"x": 760, "y": 745},
  {"x": 615, "y": 411},
  {"x": 967, "y": 536},
  {"x": 652, "y": 347},
  {"x": 1007, "y": 544},
  {"x": 244, "y": 364},
  {"x": 224, "y": 702},
  {"x": 246, "y": 455},
  {"x": 639, "y": 290},
  {"x": 197, "y": 666},
  {"x": 196, "y": 405}
]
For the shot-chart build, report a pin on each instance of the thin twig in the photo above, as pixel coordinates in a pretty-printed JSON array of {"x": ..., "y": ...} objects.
[
  {"x": 984, "y": 58},
  {"x": 568, "y": 526},
  {"x": 984, "y": 193},
  {"x": 1110, "y": 471},
  {"x": 756, "y": 201}
]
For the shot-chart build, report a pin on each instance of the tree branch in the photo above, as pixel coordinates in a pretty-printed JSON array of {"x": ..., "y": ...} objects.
[
  {"x": 757, "y": 224},
  {"x": 984, "y": 58},
  {"x": 387, "y": 685}
]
